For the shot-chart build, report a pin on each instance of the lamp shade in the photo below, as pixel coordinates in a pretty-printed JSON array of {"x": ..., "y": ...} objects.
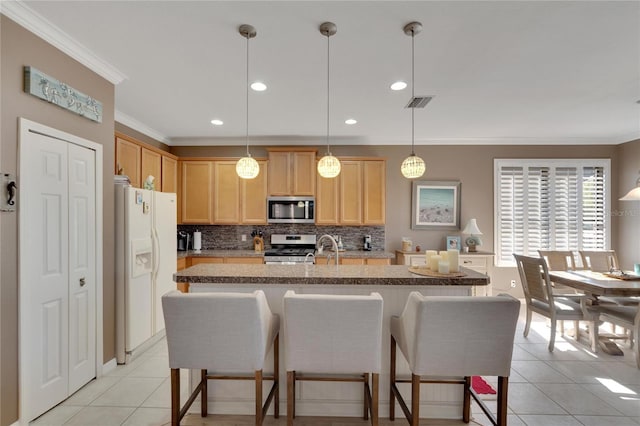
[
  {"x": 413, "y": 167},
  {"x": 472, "y": 228},
  {"x": 329, "y": 166},
  {"x": 247, "y": 168},
  {"x": 634, "y": 194}
]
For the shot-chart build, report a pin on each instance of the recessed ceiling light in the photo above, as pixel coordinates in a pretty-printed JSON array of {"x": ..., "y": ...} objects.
[
  {"x": 350, "y": 121},
  {"x": 399, "y": 85},
  {"x": 217, "y": 122},
  {"x": 259, "y": 86}
]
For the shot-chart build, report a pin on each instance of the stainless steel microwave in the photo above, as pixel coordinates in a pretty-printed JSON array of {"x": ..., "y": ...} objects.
[{"x": 291, "y": 210}]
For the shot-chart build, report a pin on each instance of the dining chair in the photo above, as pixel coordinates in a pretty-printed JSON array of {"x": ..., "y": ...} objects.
[
  {"x": 539, "y": 296},
  {"x": 627, "y": 317},
  {"x": 600, "y": 260},
  {"x": 449, "y": 339},
  {"x": 562, "y": 260},
  {"x": 333, "y": 338},
  {"x": 223, "y": 335}
]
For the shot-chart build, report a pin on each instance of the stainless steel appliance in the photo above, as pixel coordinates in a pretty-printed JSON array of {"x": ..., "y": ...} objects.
[
  {"x": 290, "y": 249},
  {"x": 183, "y": 241},
  {"x": 367, "y": 243},
  {"x": 291, "y": 210}
]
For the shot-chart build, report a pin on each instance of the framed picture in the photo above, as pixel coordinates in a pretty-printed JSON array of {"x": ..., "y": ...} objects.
[
  {"x": 454, "y": 243},
  {"x": 435, "y": 205}
]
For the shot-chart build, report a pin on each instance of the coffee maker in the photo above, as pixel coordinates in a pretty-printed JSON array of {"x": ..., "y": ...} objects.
[
  {"x": 183, "y": 241},
  {"x": 367, "y": 243}
]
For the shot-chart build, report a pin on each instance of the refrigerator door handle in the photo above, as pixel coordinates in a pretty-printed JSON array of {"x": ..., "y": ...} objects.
[{"x": 156, "y": 254}]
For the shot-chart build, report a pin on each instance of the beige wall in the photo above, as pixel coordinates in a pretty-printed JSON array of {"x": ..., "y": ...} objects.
[
  {"x": 19, "y": 48},
  {"x": 627, "y": 213}
]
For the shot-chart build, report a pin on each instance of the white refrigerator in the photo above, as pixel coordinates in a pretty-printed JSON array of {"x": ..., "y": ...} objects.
[{"x": 145, "y": 260}]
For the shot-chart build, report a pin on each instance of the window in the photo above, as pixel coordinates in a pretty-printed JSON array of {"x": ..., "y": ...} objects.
[{"x": 550, "y": 204}]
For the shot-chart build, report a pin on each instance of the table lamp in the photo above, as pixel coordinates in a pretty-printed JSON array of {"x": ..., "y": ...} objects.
[{"x": 473, "y": 231}]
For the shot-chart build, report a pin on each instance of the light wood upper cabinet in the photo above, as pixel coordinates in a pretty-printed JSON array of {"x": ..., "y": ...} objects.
[
  {"x": 196, "y": 192},
  {"x": 226, "y": 193},
  {"x": 128, "y": 158},
  {"x": 253, "y": 203},
  {"x": 169, "y": 174},
  {"x": 350, "y": 193},
  {"x": 292, "y": 173},
  {"x": 327, "y": 201},
  {"x": 374, "y": 192},
  {"x": 151, "y": 165},
  {"x": 355, "y": 197}
]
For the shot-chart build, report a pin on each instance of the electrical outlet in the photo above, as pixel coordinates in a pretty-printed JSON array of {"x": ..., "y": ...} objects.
[
  {"x": 244, "y": 237},
  {"x": 513, "y": 283}
]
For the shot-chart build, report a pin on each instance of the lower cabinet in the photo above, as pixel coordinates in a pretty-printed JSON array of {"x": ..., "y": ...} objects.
[
  {"x": 233, "y": 260},
  {"x": 479, "y": 262},
  {"x": 363, "y": 261}
]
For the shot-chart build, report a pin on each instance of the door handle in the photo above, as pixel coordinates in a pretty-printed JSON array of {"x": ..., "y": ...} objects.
[{"x": 82, "y": 282}]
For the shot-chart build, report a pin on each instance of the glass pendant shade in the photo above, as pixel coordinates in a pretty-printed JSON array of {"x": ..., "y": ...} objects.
[
  {"x": 247, "y": 168},
  {"x": 634, "y": 194},
  {"x": 329, "y": 166},
  {"x": 413, "y": 167}
]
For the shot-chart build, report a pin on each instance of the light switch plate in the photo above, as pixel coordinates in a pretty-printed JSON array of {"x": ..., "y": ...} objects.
[{"x": 5, "y": 206}]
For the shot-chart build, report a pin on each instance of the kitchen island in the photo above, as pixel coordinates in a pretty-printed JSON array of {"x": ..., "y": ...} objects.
[{"x": 393, "y": 282}]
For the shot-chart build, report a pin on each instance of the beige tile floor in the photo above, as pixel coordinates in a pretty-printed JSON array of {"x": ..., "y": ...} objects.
[{"x": 571, "y": 386}]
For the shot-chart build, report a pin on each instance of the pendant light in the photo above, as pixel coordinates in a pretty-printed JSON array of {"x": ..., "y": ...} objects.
[
  {"x": 247, "y": 167},
  {"x": 413, "y": 166},
  {"x": 328, "y": 166}
]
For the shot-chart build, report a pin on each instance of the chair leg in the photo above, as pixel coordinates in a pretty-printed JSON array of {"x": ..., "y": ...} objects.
[
  {"x": 552, "y": 339},
  {"x": 258, "y": 378},
  {"x": 576, "y": 330},
  {"x": 415, "y": 400},
  {"x": 503, "y": 391},
  {"x": 562, "y": 328},
  {"x": 365, "y": 385},
  {"x": 375, "y": 398},
  {"x": 276, "y": 376},
  {"x": 466, "y": 401},
  {"x": 392, "y": 380},
  {"x": 527, "y": 324},
  {"x": 291, "y": 377},
  {"x": 175, "y": 397},
  {"x": 593, "y": 335},
  {"x": 203, "y": 394}
]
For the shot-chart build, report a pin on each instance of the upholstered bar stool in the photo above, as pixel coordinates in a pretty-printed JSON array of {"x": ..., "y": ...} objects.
[
  {"x": 328, "y": 337},
  {"x": 454, "y": 336},
  {"x": 225, "y": 336}
]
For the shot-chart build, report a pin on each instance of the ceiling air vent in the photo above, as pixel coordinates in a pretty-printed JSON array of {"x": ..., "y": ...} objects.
[{"x": 419, "y": 101}]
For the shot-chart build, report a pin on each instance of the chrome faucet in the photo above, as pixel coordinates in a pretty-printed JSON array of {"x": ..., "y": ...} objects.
[
  {"x": 333, "y": 243},
  {"x": 310, "y": 255}
]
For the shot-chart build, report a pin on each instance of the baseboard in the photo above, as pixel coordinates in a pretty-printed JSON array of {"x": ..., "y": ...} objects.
[{"x": 109, "y": 366}]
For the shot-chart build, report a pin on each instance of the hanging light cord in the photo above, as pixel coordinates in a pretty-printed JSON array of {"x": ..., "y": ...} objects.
[
  {"x": 247, "y": 101},
  {"x": 412, "y": 93},
  {"x": 328, "y": 83}
]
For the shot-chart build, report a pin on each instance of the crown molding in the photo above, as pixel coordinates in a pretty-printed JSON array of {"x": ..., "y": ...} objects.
[
  {"x": 129, "y": 121},
  {"x": 26, "y": 17}
]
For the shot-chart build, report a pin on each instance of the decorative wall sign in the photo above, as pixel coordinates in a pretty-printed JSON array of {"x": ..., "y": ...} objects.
[{"x": 40, "y": 85}]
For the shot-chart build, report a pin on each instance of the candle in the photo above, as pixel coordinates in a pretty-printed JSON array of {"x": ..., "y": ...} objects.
[
  {"x": 428, "y": 255},
  {"x": 433, "y": 262},
  {"x": 454, "y": 265},
  {"x": 443, "y": 266},
  {"x": 444, "y": 255}
]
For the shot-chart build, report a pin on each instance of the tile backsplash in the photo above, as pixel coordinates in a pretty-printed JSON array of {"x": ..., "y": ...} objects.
[{"x": 229, "y": 237}]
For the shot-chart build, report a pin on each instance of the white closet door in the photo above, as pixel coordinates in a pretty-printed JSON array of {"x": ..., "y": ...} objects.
[
  {"x": 44, "y": 241},
  {"x": 82, "y": 267}
]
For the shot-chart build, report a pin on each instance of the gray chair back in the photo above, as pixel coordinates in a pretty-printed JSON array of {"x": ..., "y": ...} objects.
[{"x": 600, "y": 260}]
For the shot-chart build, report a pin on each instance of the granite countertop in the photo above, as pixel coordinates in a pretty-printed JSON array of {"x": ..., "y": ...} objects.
[
  {"x": 251, "y": 253},
  {"x": 320, "y": 274}
]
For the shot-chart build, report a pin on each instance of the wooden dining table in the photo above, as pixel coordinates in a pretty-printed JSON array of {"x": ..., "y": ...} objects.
[{"x": 594, "y": 285}]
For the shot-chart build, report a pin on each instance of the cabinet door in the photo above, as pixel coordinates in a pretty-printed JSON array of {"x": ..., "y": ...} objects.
[
  {"x": 196, "y": 192},
  {"x": 169, "y": 174},
  {"x": 374, "y": 194},
  {"x": 198, "y": 260},
  {"x": 351, "y": 261},
  {"x": 243, "y": 260},
  {"x": 327, "y": 201},
  {"x": 254, "y": 198},
  {"x": 151, "y": 166},
  {"x": 128, "y": 159},
  {"x": 279, "y": 173},
  {"x": 351, "y": 193},
  {"x": 304, "y": 173},
  {"x": 226, "y": 193},
  {"x": 378, "y": 261}
]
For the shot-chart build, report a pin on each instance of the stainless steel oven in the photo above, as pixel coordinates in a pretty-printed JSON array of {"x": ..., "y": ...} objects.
[
  {"x": 290, "y": 249},
  {"x": 291, "y": 210}
]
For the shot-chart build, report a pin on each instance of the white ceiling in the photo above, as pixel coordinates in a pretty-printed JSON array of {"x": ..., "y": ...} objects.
[{"x": 529, "y": 72}]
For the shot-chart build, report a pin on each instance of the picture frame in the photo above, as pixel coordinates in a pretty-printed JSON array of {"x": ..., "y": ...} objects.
[
  {"x": 454, "y": 242},
  {"x": 435, "y": 205}
]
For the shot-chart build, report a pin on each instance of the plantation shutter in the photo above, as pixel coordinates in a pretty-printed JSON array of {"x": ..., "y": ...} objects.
[{"x": 550, "y": 205}]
